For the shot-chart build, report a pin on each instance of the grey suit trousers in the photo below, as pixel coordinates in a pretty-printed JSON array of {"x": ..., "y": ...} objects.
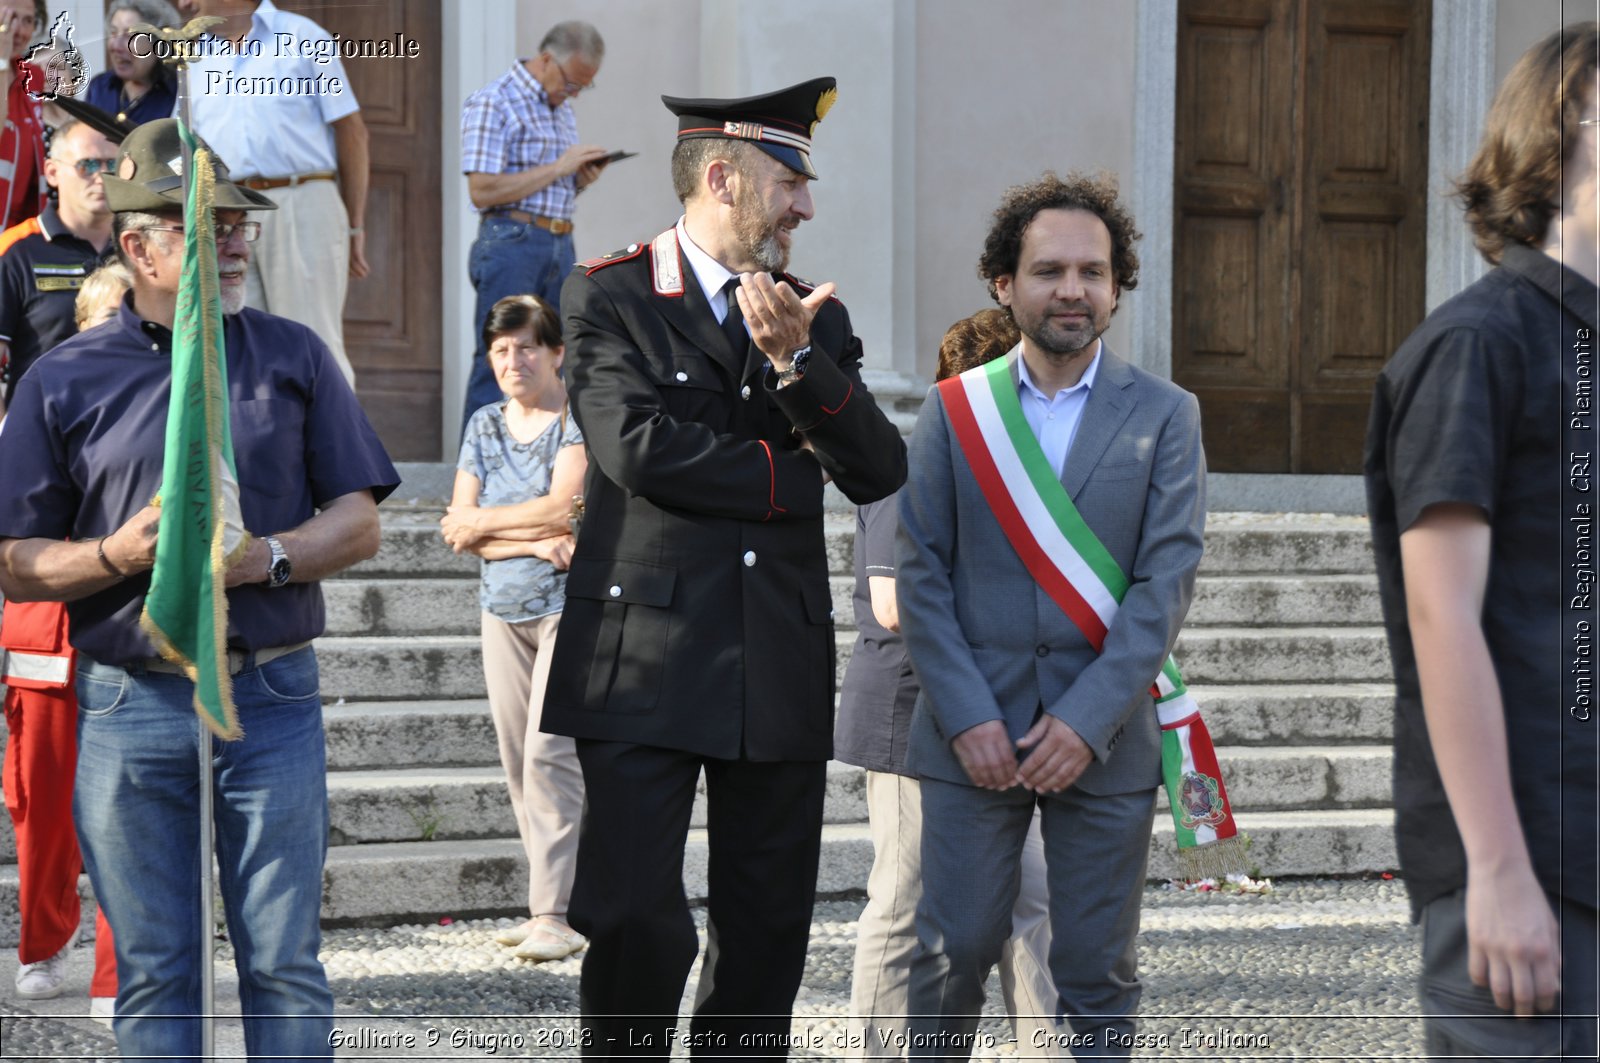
[{"x": 1096, "y": 852}]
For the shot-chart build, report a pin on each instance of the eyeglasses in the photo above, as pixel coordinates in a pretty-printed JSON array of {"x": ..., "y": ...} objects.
[
  {"x": 571, "y": 88},
  {"x": 247, "y": 230},
  {"x": 87, "y": 168}
]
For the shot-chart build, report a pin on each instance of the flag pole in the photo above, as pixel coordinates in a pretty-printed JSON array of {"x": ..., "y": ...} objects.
[
  {"x": 183, "y": 41},
  {"x": 207, "y": 916}
]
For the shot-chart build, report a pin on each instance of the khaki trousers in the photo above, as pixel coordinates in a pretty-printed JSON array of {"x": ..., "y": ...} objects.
[
  {"x": 887, "y": 933},
  {"x": 300, "y": 267},
  {"x": 542, "y": 772}
]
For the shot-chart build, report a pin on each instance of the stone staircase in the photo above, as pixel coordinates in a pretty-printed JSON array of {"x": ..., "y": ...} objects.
[{"x": 1283, "y": 648}]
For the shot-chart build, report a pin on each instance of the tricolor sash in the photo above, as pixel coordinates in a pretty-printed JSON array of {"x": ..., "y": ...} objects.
[{"x": 1079, "y": 574}]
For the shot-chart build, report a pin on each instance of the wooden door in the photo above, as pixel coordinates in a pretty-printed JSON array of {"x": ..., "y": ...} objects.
[
  {"x": 391, "y": 319},
  {"x": 1299, "y": 235}
]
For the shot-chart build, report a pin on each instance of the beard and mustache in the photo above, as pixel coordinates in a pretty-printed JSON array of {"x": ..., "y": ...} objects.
[
  {"x": 757, "y": 233},
  {"x": 1059, "y": 340}
]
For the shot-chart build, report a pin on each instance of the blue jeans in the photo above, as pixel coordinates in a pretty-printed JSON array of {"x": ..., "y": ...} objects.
[
  {"x": 136, "y": 805},
  {"x": 509, "y": 258}
]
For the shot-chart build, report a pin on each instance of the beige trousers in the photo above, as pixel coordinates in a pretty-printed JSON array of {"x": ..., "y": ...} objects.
[
  {"x": 300, "y": 267},
  {"x": 542, "y": 770},
  {"x": 886, "y": 936}
]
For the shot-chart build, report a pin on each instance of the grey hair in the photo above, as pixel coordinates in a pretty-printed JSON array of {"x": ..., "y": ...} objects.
[
  {"x": 128, "y": 221},
  {"x": 691, "y": 157},
  {"x": 568, "y": 39},
  {"x": 58, "y": 136},
  {"x": 157, "y": 13}
]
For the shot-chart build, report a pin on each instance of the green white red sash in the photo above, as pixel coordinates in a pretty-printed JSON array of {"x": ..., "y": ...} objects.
[{"x": 1079, "y": 574}]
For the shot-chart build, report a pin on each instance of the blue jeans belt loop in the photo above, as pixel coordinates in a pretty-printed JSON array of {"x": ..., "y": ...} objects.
[
  {"x": 559, "y": 226},
  {"x": 238, "y": 660},
  {"x": 264, "y": 184}
]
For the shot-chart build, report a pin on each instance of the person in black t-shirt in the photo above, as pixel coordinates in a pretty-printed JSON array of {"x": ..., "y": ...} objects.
[{"x": 1480, "y": 520}]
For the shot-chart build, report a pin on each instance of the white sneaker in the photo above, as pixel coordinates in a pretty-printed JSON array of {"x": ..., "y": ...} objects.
[
  {"x": 103, "y": 1010},
  {"x": 45, "y": 979}
]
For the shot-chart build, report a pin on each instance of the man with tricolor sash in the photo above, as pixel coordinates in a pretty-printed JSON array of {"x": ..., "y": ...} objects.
[
  {"x": 204, "y": 603},
  {"x": 1050, "y": 529}
]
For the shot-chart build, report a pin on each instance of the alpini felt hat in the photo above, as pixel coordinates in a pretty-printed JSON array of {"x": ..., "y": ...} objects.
[
  {"x": 150, "y": 174},
  {"x": 779, "y": 123}
]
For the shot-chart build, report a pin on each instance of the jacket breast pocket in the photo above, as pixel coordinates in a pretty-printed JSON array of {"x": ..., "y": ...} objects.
[
  {"x": 627, "y": 605},
  {"x": 1119, "y": 470},
  {"x": 691, "y": 387}
]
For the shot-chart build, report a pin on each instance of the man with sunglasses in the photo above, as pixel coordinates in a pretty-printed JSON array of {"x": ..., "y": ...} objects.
[
  {"x": 525, "y": 168},
  {"x": 44, "y": 260},
  {"x": 83, "y": 453}
]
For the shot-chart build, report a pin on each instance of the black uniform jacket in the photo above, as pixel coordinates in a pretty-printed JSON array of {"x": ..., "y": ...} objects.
[{"x": 698, "y": 615}]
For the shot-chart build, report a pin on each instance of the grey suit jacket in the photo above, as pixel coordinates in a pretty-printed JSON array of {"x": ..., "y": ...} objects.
[{"x": 988, "y": 643}]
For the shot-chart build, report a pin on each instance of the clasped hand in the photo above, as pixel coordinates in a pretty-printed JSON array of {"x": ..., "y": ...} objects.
[
  {"x": 778, "y": 319},
  {"x": 1059, "y": 756}
]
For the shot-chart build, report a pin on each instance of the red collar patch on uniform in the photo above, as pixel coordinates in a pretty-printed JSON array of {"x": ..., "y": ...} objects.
[{"x": 631, "y": 251}]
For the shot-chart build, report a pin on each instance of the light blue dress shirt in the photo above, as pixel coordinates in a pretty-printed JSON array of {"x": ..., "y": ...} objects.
[
  {"x": 1054, "y": 419},
  {"x": 283, "y": 132}
]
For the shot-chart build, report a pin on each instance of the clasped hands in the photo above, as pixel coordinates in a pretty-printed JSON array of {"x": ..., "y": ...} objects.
[
  {"x": 131, "y": 549},
  {"x": 778, "y": 318},
  {"x": 1058, "y": 756}
]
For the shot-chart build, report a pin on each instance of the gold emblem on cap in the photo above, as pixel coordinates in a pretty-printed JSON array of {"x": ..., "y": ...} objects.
[
  {"x": 825, "y": 104},
  {"x": 126, "y": 167}
]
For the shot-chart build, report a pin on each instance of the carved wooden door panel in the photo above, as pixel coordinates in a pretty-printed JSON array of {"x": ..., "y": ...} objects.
[
  {"x": 1300, "y": 216},
  {"x": 392, "y": 318}
]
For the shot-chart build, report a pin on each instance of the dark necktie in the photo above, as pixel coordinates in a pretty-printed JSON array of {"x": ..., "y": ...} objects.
[{"x": 733, "y": 321}]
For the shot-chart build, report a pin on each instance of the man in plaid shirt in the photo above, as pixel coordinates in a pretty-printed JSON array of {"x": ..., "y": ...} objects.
[{"x": 525, "y": 168}]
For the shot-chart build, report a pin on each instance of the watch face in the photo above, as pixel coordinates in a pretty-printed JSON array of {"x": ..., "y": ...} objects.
[{"x": 279, "y": 573}]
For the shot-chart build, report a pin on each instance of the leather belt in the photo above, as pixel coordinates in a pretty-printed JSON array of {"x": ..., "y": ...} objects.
[
  {"x": 238, "y": 660},
  {"x": 559, "y": 226},
  {"x": 262, "y": 184}
]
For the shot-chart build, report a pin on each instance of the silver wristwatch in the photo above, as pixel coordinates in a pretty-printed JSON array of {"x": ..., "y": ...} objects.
[{"x": 278, "y": 567}]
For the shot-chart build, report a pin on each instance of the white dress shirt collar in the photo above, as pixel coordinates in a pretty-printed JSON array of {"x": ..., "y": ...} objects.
[{"x": 711, "y": 274}]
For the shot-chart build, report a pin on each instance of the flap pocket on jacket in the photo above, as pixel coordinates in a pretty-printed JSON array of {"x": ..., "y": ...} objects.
[
  {"x": 819, "y": 603},
  {"x": 633, "y": 582}
]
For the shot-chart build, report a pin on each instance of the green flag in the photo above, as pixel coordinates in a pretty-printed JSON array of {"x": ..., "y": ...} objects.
[{"x": 201, "y": 533}]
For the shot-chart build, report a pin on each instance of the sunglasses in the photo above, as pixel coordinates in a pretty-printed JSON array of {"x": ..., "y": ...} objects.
[{"x": 87, "y": 168}]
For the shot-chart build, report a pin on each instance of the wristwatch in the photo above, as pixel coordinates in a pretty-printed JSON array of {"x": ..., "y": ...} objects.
[
  {"x": 278, "y": 568},
  {"x": 797, "y": 366}
]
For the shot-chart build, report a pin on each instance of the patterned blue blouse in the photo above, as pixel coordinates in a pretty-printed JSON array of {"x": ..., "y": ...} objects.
[{"x": 516, "y": 589}]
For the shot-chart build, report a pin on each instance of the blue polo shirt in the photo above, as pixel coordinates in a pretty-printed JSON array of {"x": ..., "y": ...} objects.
[{"x": 82, "y": 452}]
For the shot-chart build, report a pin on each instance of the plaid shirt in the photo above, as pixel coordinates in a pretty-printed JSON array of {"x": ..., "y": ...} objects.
[{"x": 509, "y": 126}]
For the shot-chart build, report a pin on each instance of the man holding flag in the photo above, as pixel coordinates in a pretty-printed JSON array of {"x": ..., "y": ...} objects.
[
  {"x": 1050, "y": 528},
  {"x": 155, "y": 647}
]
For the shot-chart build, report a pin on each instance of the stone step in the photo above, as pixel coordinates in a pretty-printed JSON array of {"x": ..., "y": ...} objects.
[
  {"x": 406, "y": 770},
  {"x": 1235, "y": 655},
  {"x": 1265, "y": 544},
  {"x": 1286, "y": 543},
  {"x": 424, "y": 804},
  {"x": 458, "y": 733},
  {"x": 1273, "y": 601},
  {"x": 450, "y": 666},
  {"x": 423, "y": 881},
  {"x": 449, "y": 606},
  {"x": 401, "y": 882},
  {"x": 443, "y": 666}
]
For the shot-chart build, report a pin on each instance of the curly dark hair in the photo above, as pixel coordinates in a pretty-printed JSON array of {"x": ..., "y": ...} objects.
[
  {"x": 1002, "y": 249},
  {"x": 1512, "y": 187},
  {"x": 975, "y": 340}
]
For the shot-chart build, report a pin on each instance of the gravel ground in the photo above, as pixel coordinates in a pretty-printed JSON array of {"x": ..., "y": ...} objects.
[{"x": 1313, "y": 970}]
